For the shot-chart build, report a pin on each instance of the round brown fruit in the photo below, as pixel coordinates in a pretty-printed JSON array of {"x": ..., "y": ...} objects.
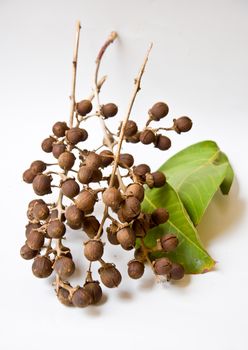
[
  {"x": 84, "y": 107},
  {"x": 135, "y": 269},
  {"x": 109, "y": 110},
  {"x": 93, "y": 250},
  {"x": 159, "y": 110},
  {"x": 70, "y": 188},
  {"x": 110, "y": 276},
  {"x": 42, "y": 267}
]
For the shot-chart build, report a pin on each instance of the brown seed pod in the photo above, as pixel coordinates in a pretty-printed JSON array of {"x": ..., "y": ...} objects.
[
  {"x": 84, "y": 107},
  {"x": 93, "y": 160},
  {"x": 58, "y": 149},
  {"x": 136, "y": 269},
  {"x": 134, "y": 139},
  {"x": 111, "y": 234},
  {"x": 95, "y": 291},
  {"x": 74, "y": 226},
  {"x": 169, "y": 242},
  {"x": 126, "y": 238},
  {"x": 28, "y": 176},
  {"x": 81, "y": 298},
  {"x": 131, "y": 208},
  {"x": 30, "y": 215},
  {"x": 31, "y": 226},
  {"x": 35, "y": 240},
  {"x": 162, "y": 266},
  {"x": 40, "y": 211},
  {"x": 66, "y": 160},
  {"x": 65, "y": 251},
  {"x": 147, "y": 137},
  {"x": 159, "y": 110},
  {"x": 162, "y": 142},
  {"x": 27, "y": 253},
  {"x": 64, "y": 267},
  {"x": 159, "y": 179},
  {"x": 126, "y": 160},
  {"x": 86, "y": 200},
  {"x": 74, "y": 215},
  {"x": 93, "y": 250},
  {"x": 136, "y": 190},
  {"x": 107, "y": 158},
  {"x": 141, "y": 170},
  {"x": 47, "y": 144},
  {"x": 59, "y": 129},
  {"x": 149, "y": 180},
  {"x": 70, "y": 188},
  {"x": 56, "y": 229},
  {"x": 33, "y": 202},
  {"x": 130, "y": 129},
  {"x": 110, "y": 276},
  {"x": 176, "y": 272},
  {"x": 182, "y": 124},
  {"x": 42, "y": 267},
  {"x": 109, "y": 110},
  {"x": 147, "y": 218},
  {"x": 64, "y": 296},
  {"x": 42, "y": 184},
  {"x": 38, "y": 166},
  {"x": 140, "y": 227},
  {"x": 120, "y": 215},
  {"x": 91, "y": 226},
  {"x": 96, "y": 176},
  {"x": 160, "y": 216},
  {"x": 112, "y": 198},
  {"x": 84, "y": 174},
  {"x": 76, "y": 135}
]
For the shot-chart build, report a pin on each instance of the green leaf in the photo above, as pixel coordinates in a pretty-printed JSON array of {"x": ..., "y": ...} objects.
[
  {"x": 189, "y": 252},
  {"x": 228, "y": 180},
  {"x": 196, "y": 173}
]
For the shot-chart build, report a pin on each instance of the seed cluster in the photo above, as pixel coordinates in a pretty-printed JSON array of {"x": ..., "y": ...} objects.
[{"x": 83, "y": 177}]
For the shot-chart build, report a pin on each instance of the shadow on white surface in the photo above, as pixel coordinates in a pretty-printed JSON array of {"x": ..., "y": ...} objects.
[
  {"x": 222, "y": 214},
  {"x": 183, "y": 283},
  {"x": 147, "y": 283},
  {"x": 125, "y": 295},
  {"x": 96, "y": 310}
]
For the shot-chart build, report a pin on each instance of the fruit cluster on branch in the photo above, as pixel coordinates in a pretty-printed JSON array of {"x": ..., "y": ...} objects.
[{"x": 82, "y": 177}]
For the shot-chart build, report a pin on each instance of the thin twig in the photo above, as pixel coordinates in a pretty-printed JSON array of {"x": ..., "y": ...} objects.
[
  {"x": 146, "y": 253},
  {"x": 107, "y": 134},
  {"x": 137, "y": 82},
  {"x": 74, "y": 72},
  {"x": 59, "y": 204},
  {"x": 99, "y": 85},
  {"x": 91, "y": 97},
  {"x": 110, "y": 40},
  {"x": 165, "y": 129}
]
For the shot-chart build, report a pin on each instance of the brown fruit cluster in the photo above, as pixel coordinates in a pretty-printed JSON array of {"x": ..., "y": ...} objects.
[
  {"x": 153, "y": 136},
  {"x": 83, "y": 177}
]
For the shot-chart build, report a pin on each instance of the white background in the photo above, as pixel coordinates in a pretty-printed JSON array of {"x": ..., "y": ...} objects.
[{"x": 199, "y": 66}]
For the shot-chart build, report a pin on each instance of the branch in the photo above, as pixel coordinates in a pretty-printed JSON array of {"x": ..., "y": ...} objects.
[
  {"x": 110, "y": 40},
  {"x": 106, "y": 132},
  {"x": 74, "y": 72},
  {"x": 121, "y": 137},
  {"x": 59, "y": 205},
  {"x": 137, "y": 82},
  {"x": 99, "y": 85}
]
